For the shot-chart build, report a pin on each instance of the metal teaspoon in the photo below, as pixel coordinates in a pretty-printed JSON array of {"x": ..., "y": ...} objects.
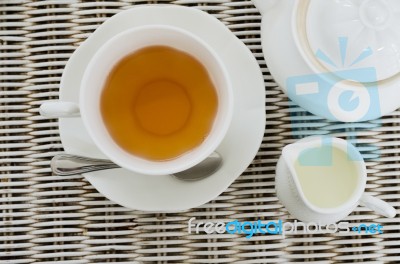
[{"x": 68, "y": 164}]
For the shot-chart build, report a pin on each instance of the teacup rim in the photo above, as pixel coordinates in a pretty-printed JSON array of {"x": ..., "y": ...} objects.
[{"x": 206, "y": 150}]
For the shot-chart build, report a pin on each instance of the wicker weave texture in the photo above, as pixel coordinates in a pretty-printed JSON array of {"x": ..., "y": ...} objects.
[{"x": 47, "y": 219}]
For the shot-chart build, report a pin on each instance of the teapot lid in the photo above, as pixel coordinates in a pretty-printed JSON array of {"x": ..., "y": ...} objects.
[{"x": 349, "y": 34}]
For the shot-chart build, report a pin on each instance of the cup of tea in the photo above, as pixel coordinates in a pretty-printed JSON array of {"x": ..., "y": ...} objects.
[
  {"x": 155, "y": 100},
  {"x": 322, "y": 180}
]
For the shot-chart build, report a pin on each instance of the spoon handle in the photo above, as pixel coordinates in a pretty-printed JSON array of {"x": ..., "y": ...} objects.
[{"x": 66, "y": 164}]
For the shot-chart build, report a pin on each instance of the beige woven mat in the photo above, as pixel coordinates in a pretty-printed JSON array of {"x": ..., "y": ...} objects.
[{"x": 45, "y": 218}]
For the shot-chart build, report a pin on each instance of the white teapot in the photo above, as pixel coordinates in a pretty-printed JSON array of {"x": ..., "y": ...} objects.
[{"x": 339, "y": 59}]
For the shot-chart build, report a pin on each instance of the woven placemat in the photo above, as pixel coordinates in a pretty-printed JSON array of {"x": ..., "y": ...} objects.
[{"x": 47, "y": 219}]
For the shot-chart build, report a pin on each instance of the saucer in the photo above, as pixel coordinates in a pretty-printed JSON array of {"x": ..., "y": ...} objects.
[{"x": 239, "y": 147}]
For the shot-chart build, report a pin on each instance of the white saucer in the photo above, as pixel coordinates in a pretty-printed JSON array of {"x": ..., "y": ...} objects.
[{"x": 166, "y": 193}]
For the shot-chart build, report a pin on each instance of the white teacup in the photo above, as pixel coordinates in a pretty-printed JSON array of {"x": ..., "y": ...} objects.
[
  {"x": 307, "y": 199},
  {"x": 96, "y": 75}
]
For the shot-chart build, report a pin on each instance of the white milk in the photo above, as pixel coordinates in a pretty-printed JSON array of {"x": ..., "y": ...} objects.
[{"x": 331, "y": 185}]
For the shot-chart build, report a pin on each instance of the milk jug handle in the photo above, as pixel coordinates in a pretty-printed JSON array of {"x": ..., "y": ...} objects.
[{"x": 379, "y": 206}]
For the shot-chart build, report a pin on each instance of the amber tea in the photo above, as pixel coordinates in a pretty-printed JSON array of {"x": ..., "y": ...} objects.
[{"x": 159, "y": 103}]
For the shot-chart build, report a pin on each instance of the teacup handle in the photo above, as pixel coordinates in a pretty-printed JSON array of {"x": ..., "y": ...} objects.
[
  {"x": 59, "y": 109},
  {"x": 379, "y": 206}
]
